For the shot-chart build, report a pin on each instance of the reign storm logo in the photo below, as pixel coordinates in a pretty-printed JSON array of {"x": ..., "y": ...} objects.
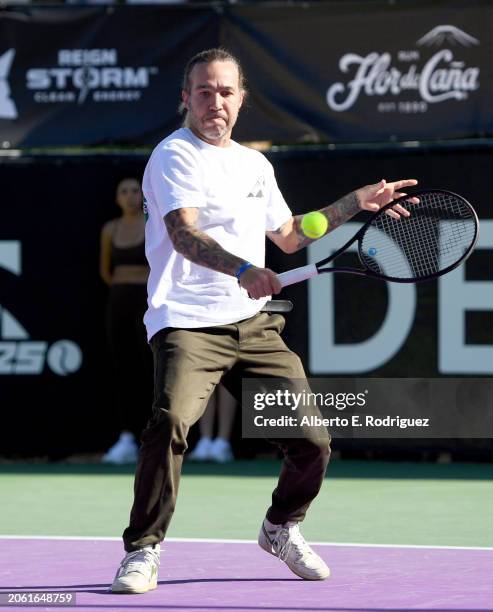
[
  {"x": 432, "y": 72},
  {"x": 94, "y": 75}
]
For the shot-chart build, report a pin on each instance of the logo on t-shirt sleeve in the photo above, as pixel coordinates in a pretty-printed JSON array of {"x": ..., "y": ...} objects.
[{"x": 258, "y": 189}]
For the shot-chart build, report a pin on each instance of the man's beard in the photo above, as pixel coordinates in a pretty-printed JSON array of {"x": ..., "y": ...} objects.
[{"x": 211, "y": 133}]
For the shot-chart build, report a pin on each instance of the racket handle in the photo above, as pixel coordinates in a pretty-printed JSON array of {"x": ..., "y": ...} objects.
[{"x": 297, "y": 275}]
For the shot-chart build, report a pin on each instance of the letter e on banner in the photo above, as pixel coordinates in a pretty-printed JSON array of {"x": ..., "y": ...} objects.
[{"x": 456, "y": 297}]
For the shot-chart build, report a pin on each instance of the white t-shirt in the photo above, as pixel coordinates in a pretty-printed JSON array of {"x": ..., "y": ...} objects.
[{"x": 236, "y": 194}]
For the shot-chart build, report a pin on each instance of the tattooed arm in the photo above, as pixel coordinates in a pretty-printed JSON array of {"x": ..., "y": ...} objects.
[
  {"x": 290, "y": 237},
  {"x": 199, "y": 248}
]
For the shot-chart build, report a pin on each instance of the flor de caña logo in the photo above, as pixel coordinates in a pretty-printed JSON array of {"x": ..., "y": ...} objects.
[{"x": 430, "y": 73}]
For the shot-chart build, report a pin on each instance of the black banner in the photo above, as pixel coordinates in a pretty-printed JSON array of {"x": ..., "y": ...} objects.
[
  {"x": 96, "y": 76},
  {"x": 332, "y": 72},
  {"x": 355, "y": 72},
  {"x": 55, "y": 372}
]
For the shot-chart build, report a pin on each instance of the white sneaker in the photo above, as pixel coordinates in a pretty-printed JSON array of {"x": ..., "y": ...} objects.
[
  {"x": 221, "y": 451},
  {"x": 287, "y": 543},
  {"x": 202, "y": 450},
  {"x": 124, "y": 451},
  {"x": 138, "y": 571}
]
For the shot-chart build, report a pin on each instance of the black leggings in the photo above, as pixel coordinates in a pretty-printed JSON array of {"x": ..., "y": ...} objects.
[{"x": 131, "y": 356}]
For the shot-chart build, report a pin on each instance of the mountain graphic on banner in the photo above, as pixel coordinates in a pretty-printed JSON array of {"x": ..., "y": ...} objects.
[{"x": 447, "y": 34}]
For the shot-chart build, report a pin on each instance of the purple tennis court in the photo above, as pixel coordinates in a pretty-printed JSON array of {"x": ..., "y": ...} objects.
[{"x": 200, "y": 575}]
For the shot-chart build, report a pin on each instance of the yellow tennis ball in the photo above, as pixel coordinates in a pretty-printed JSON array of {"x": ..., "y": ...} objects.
[{"x": 314, "y": 224}]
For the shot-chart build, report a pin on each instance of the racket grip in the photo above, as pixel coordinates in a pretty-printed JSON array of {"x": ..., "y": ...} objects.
[{"x": 297, "y": 275}]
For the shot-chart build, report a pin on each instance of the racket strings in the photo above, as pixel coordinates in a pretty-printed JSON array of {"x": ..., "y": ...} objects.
[{"x": 440, "y": 230}]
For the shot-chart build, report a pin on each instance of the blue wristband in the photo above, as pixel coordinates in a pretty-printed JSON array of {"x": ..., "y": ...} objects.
[{"x": 242, "y": 269}]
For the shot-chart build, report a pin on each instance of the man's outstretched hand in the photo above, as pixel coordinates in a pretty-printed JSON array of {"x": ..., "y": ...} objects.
[{"x": 374, "y": 197}]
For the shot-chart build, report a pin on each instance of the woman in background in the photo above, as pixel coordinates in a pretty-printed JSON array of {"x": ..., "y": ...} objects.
[
  {"x": 124, "y": 268},
  {"x": 216, "y": 449}
]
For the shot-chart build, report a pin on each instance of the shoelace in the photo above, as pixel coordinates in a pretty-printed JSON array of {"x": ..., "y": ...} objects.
[
  {"x": 281, "y": 543},
  {"x": 134, "y": 561},
  {"x": 287, "y": 538}
]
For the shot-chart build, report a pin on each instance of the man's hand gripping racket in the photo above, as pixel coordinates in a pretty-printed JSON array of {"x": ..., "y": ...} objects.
[{"x": 438, "y": 235}]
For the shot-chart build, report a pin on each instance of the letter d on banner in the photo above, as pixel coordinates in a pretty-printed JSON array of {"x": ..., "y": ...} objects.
[{"x": 325, "y": 356}]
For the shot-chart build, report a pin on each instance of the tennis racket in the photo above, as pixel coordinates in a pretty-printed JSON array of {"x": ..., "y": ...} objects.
[{"x": 438, "y": 236}]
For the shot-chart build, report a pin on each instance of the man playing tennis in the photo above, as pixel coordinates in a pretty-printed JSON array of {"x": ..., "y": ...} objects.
[{"x": 210, "y": 204}]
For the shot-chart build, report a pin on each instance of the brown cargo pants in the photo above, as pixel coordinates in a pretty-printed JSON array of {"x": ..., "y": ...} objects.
[{"x": 188, "y": 364}]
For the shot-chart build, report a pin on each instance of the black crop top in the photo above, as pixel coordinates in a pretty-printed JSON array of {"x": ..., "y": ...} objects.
[{"x": 127, "y": 256}]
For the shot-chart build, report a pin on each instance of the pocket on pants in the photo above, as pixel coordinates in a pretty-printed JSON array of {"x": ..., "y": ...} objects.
[{"x": 275, "y": 322}]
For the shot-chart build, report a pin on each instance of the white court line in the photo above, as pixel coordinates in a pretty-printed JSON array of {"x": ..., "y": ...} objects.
[{"x": 224, "y": 541}]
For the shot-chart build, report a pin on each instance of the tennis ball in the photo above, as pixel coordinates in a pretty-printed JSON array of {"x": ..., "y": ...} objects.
[{"x": 314, "y": 224}]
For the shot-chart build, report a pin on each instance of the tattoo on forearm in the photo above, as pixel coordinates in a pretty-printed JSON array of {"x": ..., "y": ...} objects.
[
  {"x": 302, "y": 240},
  {"x": 340, "y": 211},
  {"x": 337, "y": 213},
  {"x": 198, "y": 247}
]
